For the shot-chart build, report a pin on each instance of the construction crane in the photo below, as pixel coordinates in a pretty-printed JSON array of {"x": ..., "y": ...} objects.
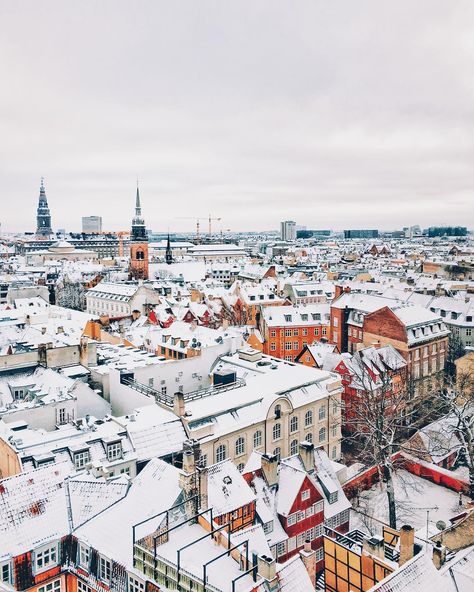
[{"x": 209, "y": 219}]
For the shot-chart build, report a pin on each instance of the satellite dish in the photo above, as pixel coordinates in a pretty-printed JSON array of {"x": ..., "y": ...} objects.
[{"x": 440, "y": 525}]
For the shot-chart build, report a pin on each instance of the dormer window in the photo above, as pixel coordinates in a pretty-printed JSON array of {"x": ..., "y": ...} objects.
[
  {"x": 268, "y": 527},
  {"x": 288, "y": 318},
  {"x": 82, "y": 458},
  {"x": 114, "y": 451},
  {"x": 277, "y": 411}
]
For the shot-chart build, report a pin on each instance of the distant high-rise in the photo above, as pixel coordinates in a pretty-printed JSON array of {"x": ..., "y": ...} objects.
[
  {"x": 138, "y": 244},
  {"x": 91, "y": 224},
  {"x": 288, "y": 230},
  {"x": 43, "y": 215}
]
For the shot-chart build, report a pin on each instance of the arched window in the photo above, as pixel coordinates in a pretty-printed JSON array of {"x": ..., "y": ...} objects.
[
  {"x": 239, "y": 446},
  {"x": 240, "y": 467},
  {"x": 277, "y": 431},
  {"x": 221, "y": 453},
  {"x": 294, "y": 424},
  {"x": 322, "y": 434},
  {"x": 293, "y": 447},
  {"x": 140, "y": 255},
  {"x": 277, "y": 411},
  {"x": 257, "y": 439},
  {"x": 308, "y": 418},
  {"x": 309, "y": 438},
  {"x": 277, "y": 453}
]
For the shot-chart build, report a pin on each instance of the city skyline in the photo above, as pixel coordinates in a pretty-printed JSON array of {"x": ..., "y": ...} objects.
[{"x": 235, "y": 108}]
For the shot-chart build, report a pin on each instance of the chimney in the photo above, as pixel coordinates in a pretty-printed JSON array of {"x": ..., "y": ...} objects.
[
  {"x": 188, "y": 482},
  {"x": 439, "y": 555},
  {"x": 267, "y": 569},
  {"x": 203, "y": 488},
  {"x": 338, "y": 291},
  {"x": 178, "y": 404},
  {"x": 374, "y": 546},
  {"x": 308, "y": 556},
  {"x": 407, "y": 544},
  {"x": 307, "y": 455},
  {"x": 270, "y": 469}
]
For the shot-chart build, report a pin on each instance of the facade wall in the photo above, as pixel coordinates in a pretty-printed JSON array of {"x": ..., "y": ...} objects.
[{"x": 287, "y": 342}]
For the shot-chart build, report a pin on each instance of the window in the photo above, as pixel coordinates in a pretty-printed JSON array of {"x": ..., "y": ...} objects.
[
  {"x": 309, "y": 438},
  {"x": 221, "y": 453},
  {"x": 277, "y": 453},
  {"x": 239, "y": 446},
  {"x": 322, "y": 434},
  {"x": 291, "y": 520},
  {"x": 310, "y": 534},
  {"x": 300, "y": 539},
  {"x": 300, "y": 516},
  {"x": 54, "y": 586},
  {"x": 308, "y": 419},
  {"x": 135, "y": 585},
  {"x": 81, "y": 459},
  {"x": 320, "y": 554},
  {"x": 280, "y": 549},
  {"x": 277, "y": 411},
  {"x": 334, "y": 453},
  {"x": 305, "y": 332},
  {"x": 335, "y": 407},
  {"x": 46, "y": 558},
  {"x": 84, "y": 554},
  {"x": 257, "y": 439},
  {"x": 295, "y": 332},
  {"x": 203, "y": 460},
  {"x": 273, "y": 346},
  {"x": 296, "y": 345},
  {"x": 5, "y": 573},
  {"x": 62, "y": 415},
  {"x": 305, "y": 495},
  {"x": 273, "y": 333},
  {"x": 240, "y": 468},
  {"x": 287, "y": 332},
  {"x": 114, "y": 451},
  {"x": 81, "y": 587},
  {"x": 333, "y": 497},
  {"x": 288, "y": 358},
  {"x": 276, "y": 431},
  {"x": 104, "y": 569},
  {"x": 322, "y": 413},
  {"x": 288, "y": 346},
  {"x": 309, "y": 511},
  {"x": 293, "y": 447},
  {"x": 294, "y": 424},
  {"x": 334, "y": 430},
  {"x": 268, "y": 527}
]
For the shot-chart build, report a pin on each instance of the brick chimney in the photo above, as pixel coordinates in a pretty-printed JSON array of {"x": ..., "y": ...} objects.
[
  {"x": 270, "y": 469},
  {"x": 407, "y": 544},
  {"x": 306, "y": 450},
  {"x": 439, "y": 555},
  {"x": 267, "y": 570},
  {"x": 308, "y": 556},
  {"x": 178, "y": 404}
]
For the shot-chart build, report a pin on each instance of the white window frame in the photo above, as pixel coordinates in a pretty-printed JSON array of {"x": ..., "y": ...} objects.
[
  {"x": 53, "y": 586},
  {"x": 105, "y": 568},
  {"x": 135, "y": 585},
  {"x": 46, "y": 557},
  {"x": 6, "y": 572},
  {"x": 305, "y": 494},
  {"x": 84, "y": 555},
  {"x": 114, "y": 451}
]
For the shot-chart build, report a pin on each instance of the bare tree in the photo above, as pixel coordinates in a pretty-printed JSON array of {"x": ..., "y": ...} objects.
[
  {"x": 379, "y": 415},
  {"x": 458, "y": 399}
]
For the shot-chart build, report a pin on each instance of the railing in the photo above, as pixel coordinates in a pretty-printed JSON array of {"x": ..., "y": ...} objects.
[
  {"x": 214, "y": 390},
  {"x": 190, "y": 396},
  {"x": 149, "y": 391}
]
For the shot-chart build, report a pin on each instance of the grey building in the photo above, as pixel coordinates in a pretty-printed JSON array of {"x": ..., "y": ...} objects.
[{"x": 91, "y": 224}]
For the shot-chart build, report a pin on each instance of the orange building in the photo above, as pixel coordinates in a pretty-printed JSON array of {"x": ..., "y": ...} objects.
[
  {"x": 138, "y": 244},
  {"x": 287, "y": 330}
]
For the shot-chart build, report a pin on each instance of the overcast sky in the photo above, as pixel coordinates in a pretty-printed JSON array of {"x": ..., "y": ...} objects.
[{"x": 337, "y": 114}]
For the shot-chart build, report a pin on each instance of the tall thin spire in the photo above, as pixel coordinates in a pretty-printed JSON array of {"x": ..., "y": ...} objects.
[
  {"x": 43, "y": 215},
  {"x": 169, "y": 252},
  {"x": 138, "y": 207}
]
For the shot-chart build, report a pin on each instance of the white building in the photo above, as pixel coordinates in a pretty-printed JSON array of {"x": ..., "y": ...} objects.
[{"x": 288, "y": 230}]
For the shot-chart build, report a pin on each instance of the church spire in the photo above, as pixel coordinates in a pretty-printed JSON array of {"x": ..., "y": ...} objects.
[
  {"x": 43, "y": 215},
  {"x": 169, "y": 253},
  {"x": 138, "y": 207}
]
